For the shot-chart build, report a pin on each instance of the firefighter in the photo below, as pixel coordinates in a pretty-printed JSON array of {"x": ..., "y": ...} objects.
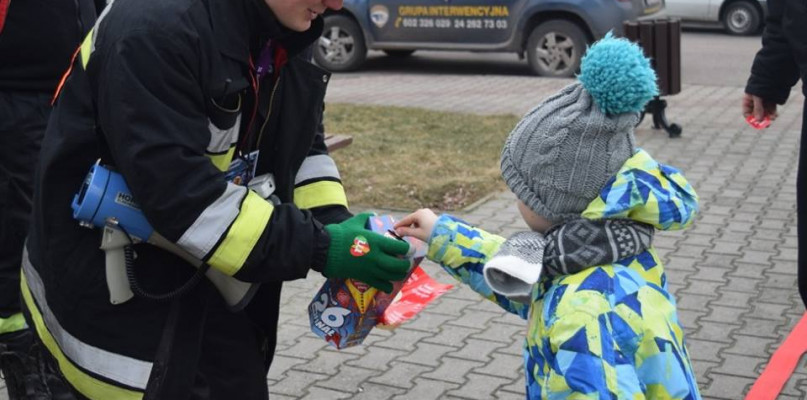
[
  {"x": 37, "y": 39},
  {"x": 190, "y": 100}
]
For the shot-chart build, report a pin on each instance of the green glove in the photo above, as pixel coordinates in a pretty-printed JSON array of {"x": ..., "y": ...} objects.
[{"x": 358, "y": 253}]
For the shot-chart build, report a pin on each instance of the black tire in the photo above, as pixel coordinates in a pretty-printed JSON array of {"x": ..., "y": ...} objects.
[
  {"x": 554, "y": 48},
  {"x": 341, "y": 46},
  {"x": 399, "y": 53},
  {"x": 742, "y": 18}
]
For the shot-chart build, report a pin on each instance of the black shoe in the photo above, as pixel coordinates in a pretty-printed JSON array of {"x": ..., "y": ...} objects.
[
  {"x": 19, "y": 369},
  {"x": 28, "y": 373}
]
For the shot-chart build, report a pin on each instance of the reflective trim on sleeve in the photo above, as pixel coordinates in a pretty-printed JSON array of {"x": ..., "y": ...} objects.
[
  {"x": 222, "y": 161},
  {"x": 222, "y": 140},
  {"x": 318, "y": 194},
  {"x": 14, "y": 323},
  {"x": 75, "y": 356},
  {"x": 244, "y": 233},
  {"x": 213, "y": 222},
  {"x": 319, "y": 166}
]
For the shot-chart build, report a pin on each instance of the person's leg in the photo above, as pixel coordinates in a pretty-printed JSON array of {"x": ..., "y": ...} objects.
[
  {"x": 23, "y": 118},
  {"x": 231, "y": 363},
  {"x": 801, "y": 209}
]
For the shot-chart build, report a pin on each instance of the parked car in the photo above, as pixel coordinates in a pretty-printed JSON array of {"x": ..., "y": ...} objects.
[
  {"x": 739, "y": 17},
  {"x": 553, "y": 34}
]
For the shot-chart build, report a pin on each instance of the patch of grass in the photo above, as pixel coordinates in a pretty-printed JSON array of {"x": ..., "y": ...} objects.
[{"x": 407, "y": 158}]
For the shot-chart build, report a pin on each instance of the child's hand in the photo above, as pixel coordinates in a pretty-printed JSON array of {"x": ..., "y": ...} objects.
[{"x": 419, "y": 224}]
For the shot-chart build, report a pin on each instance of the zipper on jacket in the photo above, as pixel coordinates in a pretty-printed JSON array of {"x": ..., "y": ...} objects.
[{"x": 268, "y": 113}]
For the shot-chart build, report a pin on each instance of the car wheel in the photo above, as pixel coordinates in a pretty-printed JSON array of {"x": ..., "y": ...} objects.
[
  {"x": 399, "y": 53},
  {"x": 554, "y": 48},
  {"x": 341, "y": 46},
  {"x": 741, "y": 18}
]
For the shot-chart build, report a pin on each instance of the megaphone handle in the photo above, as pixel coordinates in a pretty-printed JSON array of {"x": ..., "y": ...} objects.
[{"x": 113, "y": 242}]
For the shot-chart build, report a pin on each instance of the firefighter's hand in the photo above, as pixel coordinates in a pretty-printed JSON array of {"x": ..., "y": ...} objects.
[{"x": 358, "y": 253}]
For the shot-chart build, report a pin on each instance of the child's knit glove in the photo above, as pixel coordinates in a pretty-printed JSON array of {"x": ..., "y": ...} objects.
[{"x": 358, "y": 253}]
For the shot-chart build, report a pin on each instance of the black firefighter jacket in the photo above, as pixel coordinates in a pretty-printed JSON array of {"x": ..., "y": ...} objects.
[
  {"x": 783, "y": 57},
  {"x": 164, "y": 91}
]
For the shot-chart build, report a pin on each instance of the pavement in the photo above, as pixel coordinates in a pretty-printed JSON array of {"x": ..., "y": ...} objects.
[{"x": 733, "y": 273}]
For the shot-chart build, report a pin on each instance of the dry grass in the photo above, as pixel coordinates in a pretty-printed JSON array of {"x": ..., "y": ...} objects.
[{"x": 407, "y": 158}]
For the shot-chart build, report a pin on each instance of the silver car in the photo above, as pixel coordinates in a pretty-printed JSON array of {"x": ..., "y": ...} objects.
[{"x": 739, "y": 17}]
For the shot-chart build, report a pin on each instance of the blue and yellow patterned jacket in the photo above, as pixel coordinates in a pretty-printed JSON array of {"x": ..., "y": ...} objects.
[{"x": 610, "y": 331}]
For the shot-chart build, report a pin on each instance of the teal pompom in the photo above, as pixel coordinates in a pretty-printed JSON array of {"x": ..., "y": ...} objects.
[{"x": 618, "y": 76}]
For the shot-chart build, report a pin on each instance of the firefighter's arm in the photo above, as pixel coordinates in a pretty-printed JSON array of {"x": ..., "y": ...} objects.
[
  {"x": 152, "y": 113},
  {"x": 318, "y": 185}
]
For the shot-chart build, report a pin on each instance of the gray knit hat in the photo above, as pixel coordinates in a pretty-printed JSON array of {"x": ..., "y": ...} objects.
[{"x": 561, "y": 154}]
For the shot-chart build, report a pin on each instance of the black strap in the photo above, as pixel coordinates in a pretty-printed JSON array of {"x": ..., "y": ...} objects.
[{"x": 175, "y": 364}]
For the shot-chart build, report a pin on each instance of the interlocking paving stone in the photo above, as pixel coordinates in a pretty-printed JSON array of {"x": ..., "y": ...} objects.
[
  {"x": 296, "y": 382},
  {"x": 742, "y": 284},
  {"x": 740, "y": 365},
  {"x": 501, "y": 332},
  {"x": 378, "y": 358},
  {"x": 401, "y": 374},
  {"x": 452, "y": 335},
  {"x": 427, "y": 354},
  {"x": 726, "y": 387},
  {"x": 477, "y": 350},
  {"x": 427, "y": 389},
  {"x": 403, "y": 339},
  {"x": 318, "y": 393},
  {"x": 349, "y": 379},
  {"x": 374, "y": 391},
  {"x": 502, "y": 365},
  {"x": 725, "y": 315},
  {"x": 475, "y": 319},
  {"x": 480, "y": 387},
  {"x": 453, "y": 370},
  {"x": 326, "y": 362}
]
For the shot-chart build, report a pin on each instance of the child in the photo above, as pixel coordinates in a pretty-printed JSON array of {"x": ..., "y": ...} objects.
[{"x": 602, "y": 324}]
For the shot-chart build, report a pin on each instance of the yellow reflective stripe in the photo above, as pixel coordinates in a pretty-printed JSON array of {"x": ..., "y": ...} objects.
[
  {"x": 222, "y": 161},
  {"x": 318, "y": 194},
  {"x": 245, "y": 231},
  {"x": 86, "y": 48},
  {"x": 84, "y": 383},
  {"x": 14, "y": 323}
]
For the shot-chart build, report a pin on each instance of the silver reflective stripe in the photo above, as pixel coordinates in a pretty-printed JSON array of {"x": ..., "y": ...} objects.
[
  {"x": 205, "y": 232},
  {"x": 222, "y": 139},
  {"x": 319, "y": 166},
  {"x": 125, "y": 370},
  {"x": 100, "y": 18}
]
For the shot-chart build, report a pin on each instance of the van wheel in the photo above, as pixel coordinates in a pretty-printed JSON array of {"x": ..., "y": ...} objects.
[
  {"x": 399, "y": 53},
  {"x": 341, "y": 46},
  {"x": 554, "y": 48},
  {"x": 741, "y": 18}
]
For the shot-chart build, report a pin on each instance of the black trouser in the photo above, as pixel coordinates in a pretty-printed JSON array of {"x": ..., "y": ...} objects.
[
  {"x": 801, "y": 208},
  {"x": 23, "y": 117},
  {"x": 208, "y": 352}
]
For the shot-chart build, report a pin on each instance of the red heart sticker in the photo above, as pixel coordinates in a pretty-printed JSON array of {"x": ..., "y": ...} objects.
[{"x": 359, "y": 247}]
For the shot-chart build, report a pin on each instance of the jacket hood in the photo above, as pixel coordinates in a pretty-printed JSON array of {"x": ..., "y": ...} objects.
[{"x": 647, "y": 191}]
